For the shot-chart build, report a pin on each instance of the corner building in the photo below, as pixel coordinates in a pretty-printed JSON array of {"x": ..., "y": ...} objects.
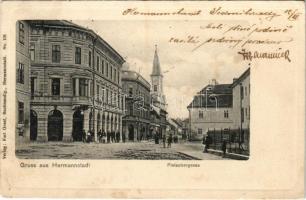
[{"x": 75, "y": 82}]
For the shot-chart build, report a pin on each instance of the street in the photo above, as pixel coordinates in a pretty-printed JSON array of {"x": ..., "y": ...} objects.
[{"x": 145, "y": 150}]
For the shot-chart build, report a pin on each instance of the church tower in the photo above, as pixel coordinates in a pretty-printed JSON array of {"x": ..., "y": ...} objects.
[{"x": 157, "y": 92}]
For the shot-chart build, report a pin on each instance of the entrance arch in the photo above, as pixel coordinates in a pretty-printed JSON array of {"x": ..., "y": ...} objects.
[
  {"x": 77, "y": 125},
  {"x": 131, "y": 132},
  {"x": 55, "y": 126},
  {"x": 33, "y": 125}
]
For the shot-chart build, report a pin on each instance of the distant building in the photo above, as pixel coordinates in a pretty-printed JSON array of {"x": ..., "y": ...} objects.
[
  {"x": 75, "y": 82},
  {"x": 241, "y": 104},
  {"x": 211, "y": 109},
  {"x": 159, "y": 105},
  {"x": 23, "y": 83},
  {"x": 136, "y": 121}
]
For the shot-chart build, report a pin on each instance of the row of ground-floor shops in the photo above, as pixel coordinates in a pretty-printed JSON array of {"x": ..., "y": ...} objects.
[
  {"x": 140, "y": 129},
  {"x": 67, "y": 123}
]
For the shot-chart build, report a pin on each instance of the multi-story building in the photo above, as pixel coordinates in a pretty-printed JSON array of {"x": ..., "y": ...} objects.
[
  {"x": 159, "y": 105},
  {"x": 136, "y": 121},
  {"x": 22, "y": 83},
  {"x": 241, "y": 104},
  {"x": 75, "y": 82},
  {"x": 211, "y": 109}
]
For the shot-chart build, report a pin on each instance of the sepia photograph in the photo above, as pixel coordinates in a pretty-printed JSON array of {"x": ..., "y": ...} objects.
[
  {"x": 152, "y": 99},
  {"x": 93, "y": 90}
]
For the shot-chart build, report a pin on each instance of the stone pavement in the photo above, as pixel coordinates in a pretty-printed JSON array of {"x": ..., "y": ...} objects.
[{"x": 145, "y": 150}]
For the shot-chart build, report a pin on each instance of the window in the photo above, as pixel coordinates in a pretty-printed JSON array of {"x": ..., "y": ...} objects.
[
  {"x": 246, "y": 112},
  {"x": 111, "y": 72},
  {"x": 74, "y": 86},
  {"x": 155, "y": 88},
  {"x": 118, "y": 77},
  {"x": 20, "y": 73},
  {"x": 107, "y": 96},
  {"x": 102, "y": 62},
  {"x": 249, "y": 112},
  {"x": 106, "y": 69},
  {"x": 103, "y": 94},
  {"x": 20, "y": 112},
  {"x": 83, "y": 87},
  {"x": 241, "y": 92},
  {"x": 21, "y": 33},
  {"x": 115, "y": 75},
  {"x": 56, "y": 86},
  {"x": 111, "y": 98},
  {"x": 32, "y": 52},
  {"x": 200, "y": 131},
  {"x": 89, "y": 58},
  {"x": 77, "y": 55},
  {"x": 201, "y": 114},
  {"x": 246, "y": 91},
  {"x": 242, "y": 115},
  {"x": 56, "y": 53},
  {"x": 98, "y": 64},
  {"x": 32, "y": 86},
  {"x": 226, "y": 114},
  {"x": 98, "y": 91},
  {"x": 130, "y": 92}
]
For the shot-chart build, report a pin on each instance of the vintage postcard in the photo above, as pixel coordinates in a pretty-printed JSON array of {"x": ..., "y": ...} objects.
[{"x": 153, "y": 99}]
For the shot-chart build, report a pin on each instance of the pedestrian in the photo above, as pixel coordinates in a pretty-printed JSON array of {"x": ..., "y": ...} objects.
[
  {"x": 113, "y": 136},
  {"x": 100, "y": 136},
  {"x": 84, "y": 135},
  {"x": 117, "y": 136},
  {"x": 224, "y": 147},
  {"x": 103, "y": 137},
  {"x": 123, "y": 137},
  {"x": 108, "y": 136},
  {"x": 203, "y": 142},
  {"x": 207, "y": 143},
  {"x": 164, "y": 141},
  {"x": 169, "y": 140},
  {"x": 88, "y": 139}
]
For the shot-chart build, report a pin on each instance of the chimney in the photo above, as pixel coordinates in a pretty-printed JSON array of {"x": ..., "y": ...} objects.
[{"x": 214, "y": 82}]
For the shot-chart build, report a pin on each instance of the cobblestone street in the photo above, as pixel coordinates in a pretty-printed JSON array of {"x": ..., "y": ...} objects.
[{"x": 145, "y": 150}]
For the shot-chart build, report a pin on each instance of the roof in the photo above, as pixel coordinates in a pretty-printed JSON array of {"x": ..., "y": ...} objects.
[
  {"x": 156, "y": 65},
  {"x": 245, "y": 74},
  {"x": 134, "y": 76},
  {"x": 178, "y": 122},
  {"x": 65, "y": 23},
  {"x": 208, "y": 95}
]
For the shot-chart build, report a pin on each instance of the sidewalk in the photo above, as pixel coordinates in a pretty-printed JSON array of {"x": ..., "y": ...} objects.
[{"x": 195, "y": 149}]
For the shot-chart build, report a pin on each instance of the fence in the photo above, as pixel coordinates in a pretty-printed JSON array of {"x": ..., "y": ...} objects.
[{"x": 237, "y": 141}]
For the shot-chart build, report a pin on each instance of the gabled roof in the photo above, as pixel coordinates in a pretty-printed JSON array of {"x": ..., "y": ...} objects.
[
  {"x": 223, "y": 93},
  {"x": 245, "y": 74}
]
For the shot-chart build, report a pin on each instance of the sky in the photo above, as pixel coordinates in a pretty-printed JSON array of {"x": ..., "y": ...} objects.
[{"x": 188, "y": 71}]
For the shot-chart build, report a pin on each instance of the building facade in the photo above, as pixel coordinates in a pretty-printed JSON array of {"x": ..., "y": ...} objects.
[
  {"x": 75, "y": 82},
  {"x": 241, "y": 104},
  {"x": 211, "y": 109},
  {"x": 22, "y": 83},
  {"x": 136, "y": 121}
]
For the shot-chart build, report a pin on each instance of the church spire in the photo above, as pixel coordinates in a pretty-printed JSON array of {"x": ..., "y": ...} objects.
[{"x": 156, "y": 65}]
